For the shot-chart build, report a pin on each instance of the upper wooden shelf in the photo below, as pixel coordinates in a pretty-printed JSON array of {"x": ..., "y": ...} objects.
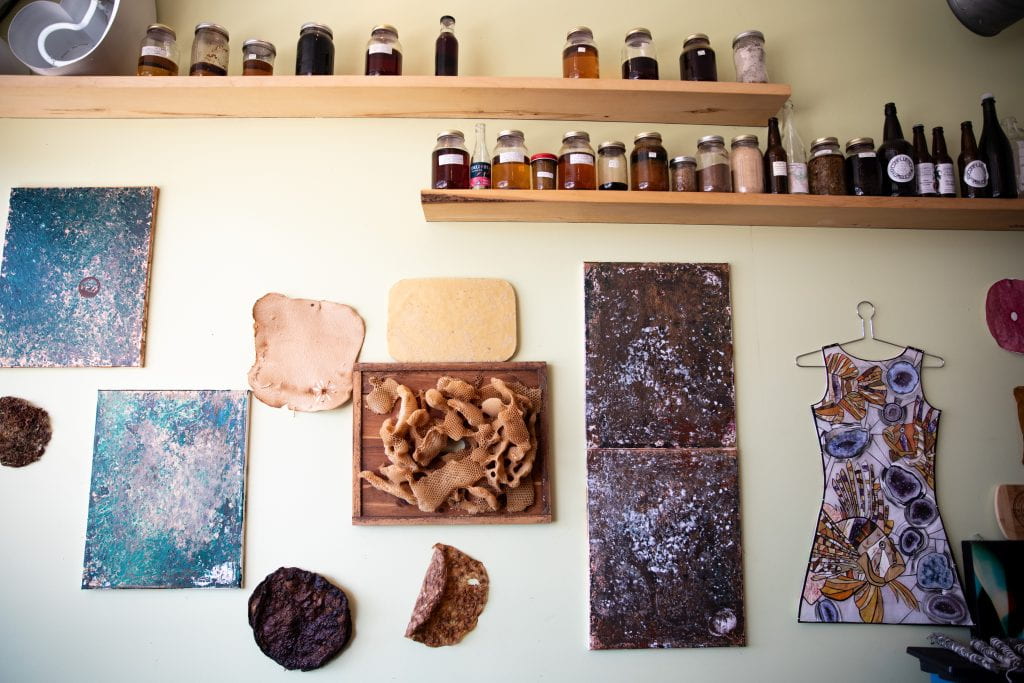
[
  {"x": 473, "y": 97},
  {"x": 712, "y": 208}
]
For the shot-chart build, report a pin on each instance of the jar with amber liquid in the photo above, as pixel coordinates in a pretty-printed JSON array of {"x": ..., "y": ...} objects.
[
  {"x": 450, "y": 167},
  {"x": 384, "y": 52},
  {"x": 258, "y": 58},
  {"x": 209, "y": 51},
  {"x": 576, "y": 162},
  {"x": 158, "y": 53},
  {"x": 612, "y": 173},
  {"x": 510, "y": 169},
  {"x": 579, "y": 56},
  {"x": 544, "y": 167},
  {"x": 648, "y": 164}
]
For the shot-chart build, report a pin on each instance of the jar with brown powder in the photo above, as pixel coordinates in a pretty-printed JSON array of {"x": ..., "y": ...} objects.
[
  {"x": 713, "y": 173},
  {"x": 825, "y": 169},
  {"x": 747, "y": 166}
]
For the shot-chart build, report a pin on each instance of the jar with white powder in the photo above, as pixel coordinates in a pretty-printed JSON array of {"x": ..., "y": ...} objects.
[{"x": 748, "y": 55}]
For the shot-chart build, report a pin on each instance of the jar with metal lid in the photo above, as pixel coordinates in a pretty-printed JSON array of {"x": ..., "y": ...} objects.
[
  {"x": 579, "y": 56},
  {"x": 697, "y": 60},
  {"x": 683, "y": 174},
  {"x": 544, "y": 166},
  {"x": 863, "y": 171},
  {"x": 648, "y": 164},
  {"x": 383, "y": 52},
  {"x": 158, "y": 53},
  {"x": 825, "y": 169},
  {"x": 747, "y": 165},
  {"x": 209, "y": 51},
  {"x": 611, "y": 166},
  {"x": 450, "y": 169},
  {"x": 713, "y": 173},
  {"x": 314, "y": 55},
  {"x": 258, "y": 58},
  {"x": 576, "y": 162},
  {"x": 639, "y": 60},
  {"x": 510, "y": 169},
  {"x": 749, "y": 57}
]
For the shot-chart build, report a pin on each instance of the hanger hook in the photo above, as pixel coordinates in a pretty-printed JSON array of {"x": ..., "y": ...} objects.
[{"x": 866, "y": 313}]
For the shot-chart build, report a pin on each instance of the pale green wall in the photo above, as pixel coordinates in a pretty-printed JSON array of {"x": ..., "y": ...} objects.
[{"x": 329, "y": 209}]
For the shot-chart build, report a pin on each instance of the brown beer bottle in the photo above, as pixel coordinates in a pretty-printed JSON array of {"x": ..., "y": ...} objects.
[
  {"x": 924, "y": 166},
  {"x": 896, "y": 158},
  {"x": 973, "y": 170},
  {"x": 945, "y": 176},
  {"x": 776, "y": 178},
  {"x": 997, "y": 153}
]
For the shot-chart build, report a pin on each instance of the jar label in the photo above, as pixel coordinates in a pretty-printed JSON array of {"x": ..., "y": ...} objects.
[
  {"x": 901, "y": 168},
  {"x": 701, "y": 53},
  {"x": 545, "y": 174},
  {"x": 581, "y": 158},
  {"x": 823, "y": 152},
  {"x": 450, "y": 159},
  {"x": 779, "y": 168},
  {"x": 946, "y": 178},
  {"x": 976, "y": 174},
  {"x": 379, "y": 49},
  {"x": 798, "y": 178},
  {"x": 154, "y": 51},
  {"x": 480, "y": 175},
  {"x": 613, "y": 163},
  {"x": 581, "y": 49},
  {"x": 866, "y": 155},
  {"x": 926, "y": 178},
  {"x": 652, "y": 155},
  {"x": 511, "y": 158}
]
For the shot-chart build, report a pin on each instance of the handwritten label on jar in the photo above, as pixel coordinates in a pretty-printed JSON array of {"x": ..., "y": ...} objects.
[
  {"x": 154, "y": 51},
  {"x": 901, "y": 168},
  {"x": 449, "y": 159},
  {"x": 946, "y": 178},
  {"x": 976, "y": 174},
  {"x": 798, "y": 178},
  {"x": 579, "y": 158},
  {"x": 511, "y": 158},
  {"x": 701, "y": 53},
  {"x": 612, "y": 163},
  {"x": 652, "y": 155},
  {"x": 779, "y": 168},
  {"x": 926, "y": 178},
  {"x": 823, "y": 152},
  {"x": 866, "y": 155},
  {"x": 581, "y": 49},
  {"x": 379, "y": 49},
  {"x": 545, "y": 174}
]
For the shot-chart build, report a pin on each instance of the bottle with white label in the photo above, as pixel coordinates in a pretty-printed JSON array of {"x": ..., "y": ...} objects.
[
  {"x": 973, "y": 170},
  {"x": 510, "y": 168},
  {"x": 450, "y": 168},
  {"x": 697, "y": 60},
  {"x": 796, "y": 153},
  {"x": 158, "y": 53},
  {"x": 1016, "y": 137},
  {"x": 945, "y": 174},
  {"x": 611, "y": 166},
  {"x": 924, "y": 166},
  {"x": 579, "y": 56},
  {"x": 576, "y": 162},
  {"x": 896, "y": 157},
  {"x": 776, "y": 170},
  {"x": 480, "y": 170},
  {"x": 648, "y": 164},
  {"x": 384, "y": 52}
]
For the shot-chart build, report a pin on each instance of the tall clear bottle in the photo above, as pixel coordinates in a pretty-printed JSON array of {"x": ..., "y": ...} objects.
[
  {"x": 1016, "y": 136},
  {"x": 480, "y": 168},
  {"x": 996, "y": 152},
  {"x": 796, "y": 153}
]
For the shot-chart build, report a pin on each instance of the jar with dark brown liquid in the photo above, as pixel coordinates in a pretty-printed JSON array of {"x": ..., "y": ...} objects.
[
  {"x": 314, "y": 55},
  {"x": 258, "y": 58},
  {"x": 384, "y": 52},
  {"x": 209, "y": 51},
  {"x": 158, "y": 53},
  {"x": 639, "y": 59},
  {"x": 544, "y": 167},
  {"x": 713, "y": 172},
  {"x": 510, "y": 169},
  {"x": 648, "y": 164},
  {"x": 862, "y": 170},
  {"x": 697, "y": 60},
  {"x": 825, "y": 169},
  {"x": 576, "y": 162},
  {"x": 446, "y": 49},
  {"x": 450, "y": 167},
  {"x": 579, "y": 56}
]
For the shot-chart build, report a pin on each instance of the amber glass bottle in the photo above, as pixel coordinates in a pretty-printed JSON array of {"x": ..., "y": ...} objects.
[
  {"x": 896, "y": 156},
  {"x": 945, "y": 175},
  {"x": 996, "y": 151},
  {"x": 973, "y": 169},
  {"x": 776, "y": 168},
  {"x": 924, "y": 165},
  {"x": 579, "y": 56}
]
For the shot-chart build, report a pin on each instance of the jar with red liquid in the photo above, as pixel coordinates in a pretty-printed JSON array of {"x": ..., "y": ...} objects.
[
  {"x": 384, "y": 52},
  {"x": 450, "y": 168}
]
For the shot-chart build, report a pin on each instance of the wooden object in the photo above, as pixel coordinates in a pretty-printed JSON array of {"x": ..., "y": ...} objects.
[
  {"x": 1010, "y": 510},
  {"x": 560, "y": 99},
  {"x": 373, "y": 507},
  {"x": 714, "y": 208}
]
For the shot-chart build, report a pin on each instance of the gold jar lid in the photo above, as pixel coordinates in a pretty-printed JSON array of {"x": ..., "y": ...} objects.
[
  {"x": 612, "y": 144},
  {"x": 385, "y": 27},
  {"x": 821, "y": 142},
  {"x": 162, "y": 27},
  {"x": 507, "y": 133},
  {"x": 451, "y": 133},
  {"x": 652, "y": 135},
  {"x": 853, "y": 142},
  {"x": 579, "y": 29},
  {"x": 318, "y": 28},
  {"x": 256, "y": 42},
  {"x": 696, "y": 36},
  {"x": 676, "y": 161},
  {"x": 638, "y": 31},
  {"x": 576, "y": 134},
  {"x": 747, "y": 34},
  {"x": 744, "y": 140},
  {"x": 711, "y": 138},
  {"x": 216, "y": 28}
]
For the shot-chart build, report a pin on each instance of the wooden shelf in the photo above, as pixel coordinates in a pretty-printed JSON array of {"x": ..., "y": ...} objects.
[
  {"x": 709, "y": 208},
  {"x": 116, "y": 97}
]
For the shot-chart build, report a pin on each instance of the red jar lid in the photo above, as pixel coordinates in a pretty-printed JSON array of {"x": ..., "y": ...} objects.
[{"x": 543, "y": 155}]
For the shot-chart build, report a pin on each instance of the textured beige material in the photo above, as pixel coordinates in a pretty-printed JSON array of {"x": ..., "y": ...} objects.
[
  {"x": 305, "y": 351},
  {"x": 452, "y": 319},
  {"x": 451, "y": 599}
]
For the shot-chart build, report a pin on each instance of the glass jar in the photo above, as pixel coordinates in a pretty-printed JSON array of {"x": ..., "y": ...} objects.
[
  {"x": 863, "y": 172},
  {"x": 450, "y": 162},
  {"x": 611, "y": 166},
  {"x": 713, "y": 173},
  {"x": 683, "y": 174},
  {"x": 209, "y": 51},
  {"x": 648, "y": 164},
  {"x": 579, "y": 56},
  {"x": 697, "y": 60},
  {"x": 158, "y": 53},
  {"x": 748, "y": 55},
  {"x": 825, "y": 169},
  {"x": 544, "y": 166},
  {"x": 576, "y": 162},
  {"x": 510, "y": 169},
  {"x": 314, "y": 55},
  {"x": 258, "y": 58},
  {"x": 383, "y": 52},
  {"x": 639, "y": 60},
  {"x": 747, "y": 165}
]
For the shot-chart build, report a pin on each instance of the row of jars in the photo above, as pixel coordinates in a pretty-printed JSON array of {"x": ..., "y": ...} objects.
[
  {"x": 159, "y": 55},
  {"x": 697, "y": 60}
]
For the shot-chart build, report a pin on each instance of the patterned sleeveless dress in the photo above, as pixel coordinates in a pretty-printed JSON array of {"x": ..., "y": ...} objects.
[{"x": 880, "y": 552}]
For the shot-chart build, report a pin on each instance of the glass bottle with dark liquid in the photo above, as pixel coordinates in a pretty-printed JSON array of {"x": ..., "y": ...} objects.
[
  {"x": 314, "y": 54},
  {"x": 576, "y": 162},
  {"x": 895, "y": 155},
  {"x": 209, "y": 51},
  {"x": 776, "y": 166},
  {"x": 924, "y": 165},
  {"x": 973, "y": 169},
  {"x": 863, "y": 174},
  {"x": 158, "y": 53},
  {"x": 258, "y": 58},
  {"x": 998, "y": 154},
  {"x": 384, "y": 52},
  {"x": 446, "y": 49},
  {"x": 579, "y": 56},
  {"x": 639, "y": 59},
  {"x": 697, "y": 60},
  {"x": 450, "y": 162},
  {"x": 945, "y": 176}
]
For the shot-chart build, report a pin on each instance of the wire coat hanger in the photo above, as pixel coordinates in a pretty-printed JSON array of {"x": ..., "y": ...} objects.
[{"x": 866, "y": 313}]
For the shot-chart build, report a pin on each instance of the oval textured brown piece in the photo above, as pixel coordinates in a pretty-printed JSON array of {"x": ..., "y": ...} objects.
[
  {"x": 453, "y": 595},
  {"x": 24, "y": 432}
]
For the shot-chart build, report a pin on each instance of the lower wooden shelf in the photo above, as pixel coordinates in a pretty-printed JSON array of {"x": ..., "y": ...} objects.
[{"x": 710, "y": 208}]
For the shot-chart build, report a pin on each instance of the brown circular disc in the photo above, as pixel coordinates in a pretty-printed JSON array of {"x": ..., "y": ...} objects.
[
  {"x": 24, "y": 432},
  {"x": 299, "y": 618}
]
